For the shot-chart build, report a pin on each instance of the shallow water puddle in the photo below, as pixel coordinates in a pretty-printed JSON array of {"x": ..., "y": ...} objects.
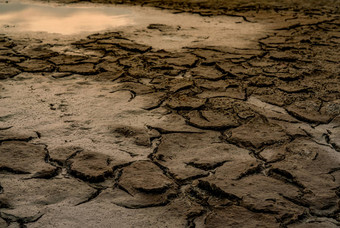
[
  {"x": 160, "y": 29},
  {"x": 42, "y": 17}
]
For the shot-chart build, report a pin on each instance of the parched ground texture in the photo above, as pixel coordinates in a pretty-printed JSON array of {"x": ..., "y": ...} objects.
[{"x": 236, "y": 137}]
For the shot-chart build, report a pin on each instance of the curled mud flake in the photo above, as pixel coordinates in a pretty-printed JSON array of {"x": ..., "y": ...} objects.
[
  {"x": 125, "y": 131},
  {"x": 146, "y": 185},
  {"x": 273, "y": 154},
  {"x": 58, "y": 75},
  {"x": 8, "y": 71},
  {"x": 38, "y": 52},
  {"x": 82, "y": 68},
  {"x": 105, "y": 36},
  {"x": 47, "y": 173},
  {"x": 215, "y": 191},
  {"x": 35, "y": 65},
  {"x": 91, "y": 197},
  {"x": 206, "y": 166},
  {"x": 185, "y": 102},
  {"x": 62, "y": 154},
  {"x": 173, "y": 84},
  {"x": 133, "y": 178},
  {"x": 285, "y": 176},
  {"x": 160, "y": 27},
  {"x": 212, "y": 119},
  {"x": 139, "y": 136},
  {"x": 107, "y": 76},
  {"x": 67, "y": 59},
  {"x": 253, "y": 169},
  {"x": 213, "y": 86},
  {"x": 22, "y": 157},
  {"x": 134, "y": 47},
  {"x": 284, "y": 56},
  {"x": 257, "y": 133},
  {"x": 151, "y": 101},
  {"x": 288, "y": 77},
  {"x": 92, "y": 167},
  {"x": 314, "y": 111},
  {"x": 110, "y": 67},
  {"x": 186, "y": 158},
  {"x": 9, "y": 56},
  {"x": 206, "y": 72},
  {"x": 185, "y": 60}
]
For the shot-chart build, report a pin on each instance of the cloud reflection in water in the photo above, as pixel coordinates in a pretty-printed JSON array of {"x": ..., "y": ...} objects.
[{"x": 62, "y": 19}]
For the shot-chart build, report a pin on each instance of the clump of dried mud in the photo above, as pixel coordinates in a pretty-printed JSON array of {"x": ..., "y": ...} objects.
[{"x": 111, "y": 132}]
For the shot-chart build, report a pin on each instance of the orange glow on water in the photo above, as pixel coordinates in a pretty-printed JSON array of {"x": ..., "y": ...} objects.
[{"x": 68, "y": 20}]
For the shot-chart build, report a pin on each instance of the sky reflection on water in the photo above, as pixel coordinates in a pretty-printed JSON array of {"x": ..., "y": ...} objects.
[{"x": 67, "y": 20}]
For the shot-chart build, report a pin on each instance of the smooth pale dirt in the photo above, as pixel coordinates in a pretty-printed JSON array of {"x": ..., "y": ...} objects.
[{"x": 170, "y": 123}]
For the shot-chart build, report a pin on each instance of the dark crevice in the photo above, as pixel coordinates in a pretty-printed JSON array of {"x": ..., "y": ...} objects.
[
  {"x": 5, "y": 128},
  {"x": 285, "y": 176},
  {"x": 159, "y": 103},
  {"x": 207, "y": 166},
  {"x": 164, "y": 131},
  {"x": 21, "y": 220},
  {"x": 17, "y": 139},
  {"x": 91, "y": 197},
  {"x": 91, "y": 178},
  {"x": 159, "y": 190},
  {"x": 255, "y": 210},
  {"x": 47, "y": 175},
  {"x": 191, "y": 218},
  {"x": 129, "y": 153},
  {"x": 118, "y": 167},
  {"x": 124, "y": 190},
  {"x": 189, "y": 180},
  {"x": 254, "y": 170},
  {"x": 213, "y": 190},
  {"x": 11, "y": 170},
  {"x": 297, "y": 201},
  {"x": 162, "y": 204}
]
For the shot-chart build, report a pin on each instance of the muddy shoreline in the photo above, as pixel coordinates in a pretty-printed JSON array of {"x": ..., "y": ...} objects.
[
  {"x": 216, "y": 7},
  {"x": 120, "y": 129}
]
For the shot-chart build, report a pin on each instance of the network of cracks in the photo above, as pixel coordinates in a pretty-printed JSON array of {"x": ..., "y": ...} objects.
[{"x": 208, "y": 136}]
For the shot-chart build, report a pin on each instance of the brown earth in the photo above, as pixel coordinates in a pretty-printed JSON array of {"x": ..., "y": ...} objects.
[{"x": 209, "y": 136}]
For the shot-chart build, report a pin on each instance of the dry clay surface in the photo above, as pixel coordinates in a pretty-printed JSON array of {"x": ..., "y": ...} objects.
[{"x": 105, "y": 131}]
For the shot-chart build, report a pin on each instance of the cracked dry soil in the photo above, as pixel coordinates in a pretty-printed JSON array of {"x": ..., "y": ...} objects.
[{"x": 105, "y": 131}]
